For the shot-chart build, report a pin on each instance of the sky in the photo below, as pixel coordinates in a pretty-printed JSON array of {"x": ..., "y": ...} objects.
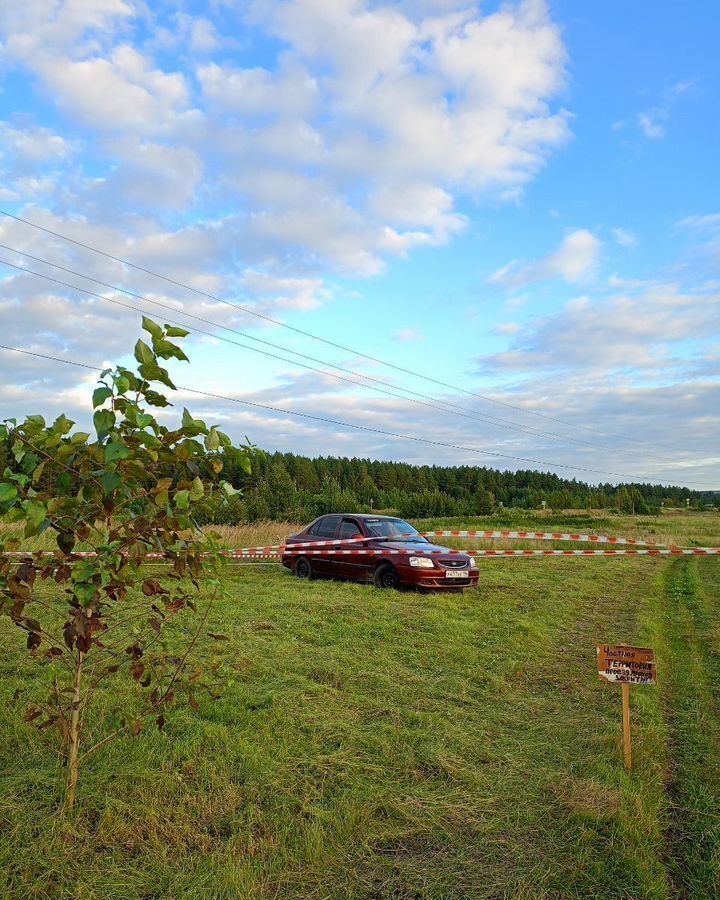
[{"x": 514, "y": 205}]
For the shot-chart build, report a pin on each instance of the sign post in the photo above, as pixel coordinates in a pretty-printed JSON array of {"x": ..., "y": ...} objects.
[{"x": 623, "y": 665}]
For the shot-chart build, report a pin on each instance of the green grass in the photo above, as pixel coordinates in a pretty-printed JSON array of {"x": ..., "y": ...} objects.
[{"x": 395, "y": 745}]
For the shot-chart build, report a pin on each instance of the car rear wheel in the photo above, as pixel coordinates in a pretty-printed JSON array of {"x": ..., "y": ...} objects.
[
  {"x": 386, "y": 576},
  {"x": 303, "y": 568}
]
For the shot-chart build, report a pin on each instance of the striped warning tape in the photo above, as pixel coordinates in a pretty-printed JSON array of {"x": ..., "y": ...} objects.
[
  {"x": 511, "y": 535},
  {"x": 649, "y": 551}
]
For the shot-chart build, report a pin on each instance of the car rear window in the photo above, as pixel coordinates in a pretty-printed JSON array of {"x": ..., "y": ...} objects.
[{"x": 326, "y": 527}]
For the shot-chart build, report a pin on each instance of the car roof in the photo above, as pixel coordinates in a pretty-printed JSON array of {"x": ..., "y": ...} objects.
[{"x": 358, "y": 516}]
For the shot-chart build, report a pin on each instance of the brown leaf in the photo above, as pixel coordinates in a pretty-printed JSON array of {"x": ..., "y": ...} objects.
[
  {"x": 69, "y": 634},
  {"x": 193, "y": 702},
  {"x": 33, "y": 640},
  {"x": 160, "y": 721},
  {"x": 135, "y": 728},
  {"x": 137, "y": 669},
  {"x": 83, "y": 642},
  {"x": 48, "y": 722},
  {"x": 218, "y": 637},
  {"x": 32, "y": 714}
]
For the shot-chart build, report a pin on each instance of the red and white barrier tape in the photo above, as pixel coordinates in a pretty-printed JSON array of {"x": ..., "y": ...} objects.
[
  {"x": 511, "y": 535},
  {"x": 673, "y": 551},
  {"x": 544, "y": 536}
]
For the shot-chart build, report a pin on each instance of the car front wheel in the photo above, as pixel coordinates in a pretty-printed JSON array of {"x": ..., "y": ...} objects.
[
  {"x": 303, "y": 568},
  {"x": 386, "y": 576}
]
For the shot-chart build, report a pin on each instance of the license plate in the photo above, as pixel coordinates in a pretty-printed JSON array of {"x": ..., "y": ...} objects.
[{"x": 450, "y": 574}]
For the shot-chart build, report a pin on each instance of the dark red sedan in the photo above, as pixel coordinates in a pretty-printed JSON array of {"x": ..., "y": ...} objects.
[{"x": 398, "y": 555}]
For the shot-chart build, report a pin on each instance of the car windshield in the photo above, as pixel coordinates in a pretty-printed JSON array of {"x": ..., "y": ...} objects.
[{"x": 393, "y": 528}]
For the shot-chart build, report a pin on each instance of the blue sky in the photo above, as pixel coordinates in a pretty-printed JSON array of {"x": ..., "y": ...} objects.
[{"x": 518, "y": 200}]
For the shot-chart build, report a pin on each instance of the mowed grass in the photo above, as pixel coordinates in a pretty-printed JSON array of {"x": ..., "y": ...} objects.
[{"x": 396, "y": 745}]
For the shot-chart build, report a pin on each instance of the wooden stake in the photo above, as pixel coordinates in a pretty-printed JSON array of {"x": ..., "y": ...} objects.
[{"x": 626, "y": 725}]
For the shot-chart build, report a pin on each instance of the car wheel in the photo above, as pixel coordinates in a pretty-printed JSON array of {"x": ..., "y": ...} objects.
[
  {"x": 303, "y": 568},
  {"x": 386, "y": 576}
]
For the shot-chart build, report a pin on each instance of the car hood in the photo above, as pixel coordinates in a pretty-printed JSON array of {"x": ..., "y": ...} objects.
[{"x": 422, "y": 549}]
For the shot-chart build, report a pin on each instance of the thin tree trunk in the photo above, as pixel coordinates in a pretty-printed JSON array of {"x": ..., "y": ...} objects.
[{"x": 74, "y": 737}]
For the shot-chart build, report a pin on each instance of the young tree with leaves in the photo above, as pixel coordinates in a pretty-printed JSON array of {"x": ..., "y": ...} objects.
[{"x": 94, "y": 617}]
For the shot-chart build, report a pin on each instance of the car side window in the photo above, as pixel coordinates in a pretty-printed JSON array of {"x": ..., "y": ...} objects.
[
  {"x": 327, "y": 526},
  {"x": 315, "y": 529},
  {"x": 350, "y": 529}
]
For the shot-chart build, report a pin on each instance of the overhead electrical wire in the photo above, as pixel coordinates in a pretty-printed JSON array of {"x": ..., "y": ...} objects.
[
  {"x": 308, "y": 334},
  {"x": 366, "y": 428},
  {"x": 427, "y": 401}
]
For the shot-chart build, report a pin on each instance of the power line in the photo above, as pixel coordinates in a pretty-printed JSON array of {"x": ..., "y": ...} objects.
[
  {"x": 433, "y": 402},
  {"x": 366, "y": 428},
  {"x": 309, "y": 334}
]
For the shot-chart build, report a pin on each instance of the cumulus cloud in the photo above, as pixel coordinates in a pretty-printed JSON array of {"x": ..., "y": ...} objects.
[
  {"x": 575, "y": 258},
  {"x": 645, "y": 332}
]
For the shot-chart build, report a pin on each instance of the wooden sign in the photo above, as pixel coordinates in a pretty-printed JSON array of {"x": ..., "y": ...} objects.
[{"x": 620, "y": 664}]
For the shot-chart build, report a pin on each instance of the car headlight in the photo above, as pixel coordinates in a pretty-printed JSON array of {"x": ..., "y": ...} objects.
[
  {"x": 473, "y": 564},
  {"x": 420, "y": 562}
]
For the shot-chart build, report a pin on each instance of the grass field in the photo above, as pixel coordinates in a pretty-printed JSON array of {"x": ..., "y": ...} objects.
[{"x": 394, "y": 745}]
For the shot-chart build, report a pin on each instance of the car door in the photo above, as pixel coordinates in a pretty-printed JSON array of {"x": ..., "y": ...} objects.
[
  {"x": 324, "y": 530},
  {"x": 354, "y": 565}
]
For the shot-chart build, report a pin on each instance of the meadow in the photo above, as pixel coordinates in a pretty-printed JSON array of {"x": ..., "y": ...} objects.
[{"x": 375, "y": 744}]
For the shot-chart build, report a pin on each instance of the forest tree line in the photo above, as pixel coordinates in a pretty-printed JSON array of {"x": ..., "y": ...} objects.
[
  {"x": 298, "y": 488},
  {"x": 287, "y": 486}
]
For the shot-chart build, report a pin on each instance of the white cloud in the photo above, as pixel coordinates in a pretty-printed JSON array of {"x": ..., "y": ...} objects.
[
  {"x": 624, "y": 237},
  {"x": 576, "y": 258},
  {"x": 645, "y": 333},
  {"x": 649, "y": 125},
  {"x": 651, "y": 121},
  {"x": 406, "y": 335}
]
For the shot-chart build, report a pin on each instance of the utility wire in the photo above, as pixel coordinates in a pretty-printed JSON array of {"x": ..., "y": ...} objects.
[
  {"x": 309, "y": 334},
  {"x": 433, "y": 402},
  {"x": 366, "y": 428}
]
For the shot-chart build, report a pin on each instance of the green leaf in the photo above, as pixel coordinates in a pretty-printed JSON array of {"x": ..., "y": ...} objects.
[
  {"x": 80, "y": 437},
  {"x": 143, "y": 354},
  {"x": 156, "y": 399},
  {"x": 103, "y": 420},
  {"x": 35, "y": 513},
  {"x": 228, "y": 489},
  {"x": 85, "y": 592},
  {"x": 100, "y": 395},
  {"x": 8, "y": 493},
  {"x": 143, "y": 420},
  {"x": 173, "y": 331},
  {"x": 198, "y": 489},
  {"x": 166, "y": 350},
  {"x": 212, "y": 440},
  {"x": 110, "y": 481},
  {"x": 244, "y": 461},
  {"x": 154, "y": 329},
  {"x": 66, "y": 541},
  {"x": 62, "y": 424},
  {"x": 182, "y": 499},
  {"x": 116, "y": 450},
  {"x": 122, "y": 384}
]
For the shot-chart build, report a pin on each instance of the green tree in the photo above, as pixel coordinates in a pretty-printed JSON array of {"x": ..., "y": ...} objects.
[{"x": 98, "y": 617}]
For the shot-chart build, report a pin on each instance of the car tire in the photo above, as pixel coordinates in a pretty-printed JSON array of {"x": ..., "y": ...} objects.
[
  {"x": 302, "y": 568},
  {"x": 386, "y": 576}
]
